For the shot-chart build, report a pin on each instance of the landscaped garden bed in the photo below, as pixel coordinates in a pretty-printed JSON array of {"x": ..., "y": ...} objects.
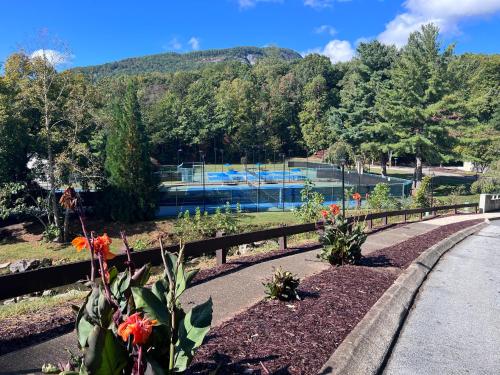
[
  {"x": 278, "y": 317},
  {"x": 298, "y": 337}
]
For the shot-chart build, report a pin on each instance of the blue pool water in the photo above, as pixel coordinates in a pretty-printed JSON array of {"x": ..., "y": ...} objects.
[{"x": 265, "y": 176}]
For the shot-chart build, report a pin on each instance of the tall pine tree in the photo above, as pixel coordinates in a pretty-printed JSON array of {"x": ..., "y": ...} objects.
[
  {"x": 132, "y": 185},
  {"x": 414, "y": 104}
]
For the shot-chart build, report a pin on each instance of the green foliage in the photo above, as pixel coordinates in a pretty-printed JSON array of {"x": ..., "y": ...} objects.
[
  {"x": 51, "y": 232},
  {"x": 203, "y": 225},
  {"x": 173, "y": 62},
  {"x": 340, "y": 152},
  {"x": 341, "y": 241},
  {"x": 423, "y": 194},
  {"x": 489, "y": 182},
  {"x": 128, "y": 165},
  {"x": 312, "y": 202},
  {"x": 380, "y": 198},
  {"x": 174, "y": 338},
  {"x": 282, "y": 286}
]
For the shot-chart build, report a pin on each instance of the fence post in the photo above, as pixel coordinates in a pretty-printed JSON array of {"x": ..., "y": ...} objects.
[
  {"x": 370, "y": 224},
  {"x": 386, "y": 220},
  {"x": 282, "y": 241},
  {"x": 476, "y": 207},
  {"x": 220, "y": 254},
  {"x": 421, "y": 216},
  {"x": 456, "y": 210},
  {"x": 405, "y": 218}
]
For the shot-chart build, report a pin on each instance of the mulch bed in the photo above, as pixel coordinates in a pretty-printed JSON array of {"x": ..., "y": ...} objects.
[
  {"x": 19, "y": 332},
  {"x": 268, "y": 317},
  {"x": 298, "y": 338},
  {"x": 403, "y": 253}
]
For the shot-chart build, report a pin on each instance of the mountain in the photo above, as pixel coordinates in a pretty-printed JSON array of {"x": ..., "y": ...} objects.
[{"x": 172, "y": 61}]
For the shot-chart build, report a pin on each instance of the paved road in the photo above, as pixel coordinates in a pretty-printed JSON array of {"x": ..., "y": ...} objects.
[{"x": 454, "y": 327}]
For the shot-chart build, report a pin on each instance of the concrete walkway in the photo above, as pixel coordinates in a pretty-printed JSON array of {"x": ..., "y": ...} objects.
[
  {"x": 454, "y": 326},
  {"x": 231, "y": 293}
]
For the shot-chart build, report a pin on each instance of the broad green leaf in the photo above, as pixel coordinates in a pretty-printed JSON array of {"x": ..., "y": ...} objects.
[
  {"x": 141, "y": 276},
  {"x": 146, "y": 301},
  {"x": 83, "y": 329},
  {"x": 160, "y": 290},
  {"x": 192, "y": 331},
  {"x": 104, "y": 355}
]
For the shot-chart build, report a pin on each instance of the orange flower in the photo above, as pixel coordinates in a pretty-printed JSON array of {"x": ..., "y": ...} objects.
[
  {"x": 100, "y": 244},
  {"x": 68, "y": 199},
  {"x": 356, "y": 196},
  {"x": 80, "y": 243},
  {"x": 324, "y": 213},
  {"x": 137, "y": 326},
  {"x": 334, "y": 209}
]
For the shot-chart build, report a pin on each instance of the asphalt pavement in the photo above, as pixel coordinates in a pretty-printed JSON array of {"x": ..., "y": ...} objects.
[{"x": 454, "y": 326}]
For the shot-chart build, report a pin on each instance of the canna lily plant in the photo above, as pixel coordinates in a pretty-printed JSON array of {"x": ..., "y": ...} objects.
[
  {"x": 124, "y": 327},
  {"x": 341, "y": 239}
]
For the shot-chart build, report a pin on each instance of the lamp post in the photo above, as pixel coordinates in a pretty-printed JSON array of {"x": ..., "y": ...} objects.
[
  {"x": 342, "y": 163},
  {"x": 222, "y": 158},
  {"x": 215, "y": 159},
  {"x": 178, "y": 156},
  {"x": 283, "y": 183},
  {"x": 202, "y": 157},
  {"x": 258, "y": 188}
]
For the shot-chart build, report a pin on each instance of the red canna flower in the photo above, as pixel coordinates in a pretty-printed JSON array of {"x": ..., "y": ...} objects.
[
  {"x": 356, "y": 196},
  {"x": 334, "y": 209},
  {"x": 137, "y": 326},
  {"x": 324, "y": 213},
  {"x": 101, "y": 245}
]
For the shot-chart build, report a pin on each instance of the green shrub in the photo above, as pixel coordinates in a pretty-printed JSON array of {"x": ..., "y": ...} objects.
[
  {"x": 312, "y": 203},
  {"x": 341, "y": 241},
  {"x": 485, "y": 186},
  {"x": 202, "y": 225},
  {"x": 423, "y": 194},
  {"x": 380, "y": 198},
  {"x": 51, "y": 233},
  {"x": 283, "y": 286}
]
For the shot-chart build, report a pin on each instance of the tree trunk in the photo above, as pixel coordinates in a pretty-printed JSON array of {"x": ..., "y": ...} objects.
[
  {"x": 52, "y": 178},
  {"x": 66, "y": 226},
  {"x": 418, "y": 170},
  {"x": 383, "y": 164}
]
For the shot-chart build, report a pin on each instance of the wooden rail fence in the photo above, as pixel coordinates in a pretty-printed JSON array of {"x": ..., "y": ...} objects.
[{"x": 17, "y": 284}]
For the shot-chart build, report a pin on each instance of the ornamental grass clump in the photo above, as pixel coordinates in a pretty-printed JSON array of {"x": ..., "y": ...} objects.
[
  {"x": 283, "y": 286},
  {"x": 124, "y": 327},
  {"x": 341, "y": 238}
]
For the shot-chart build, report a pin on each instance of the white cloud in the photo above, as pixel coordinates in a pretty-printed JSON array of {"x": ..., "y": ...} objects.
[
  {"x": 325, "y": 29},
  {"x": 446, "y": 14},
  {"x": 336, "y": 50},
  {"x": 245, "y": 4},
  {"x": 318, "y": 3},
  {"x": 52, "y": 56},
  {"x": 174, "y": 44},
  {"x": 194, "y": 43}
]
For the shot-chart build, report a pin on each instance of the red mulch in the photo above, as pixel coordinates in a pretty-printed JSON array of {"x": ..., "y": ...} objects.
[
  {"x": 403, "y": 253},
  {"x": 298, "y": 338}
]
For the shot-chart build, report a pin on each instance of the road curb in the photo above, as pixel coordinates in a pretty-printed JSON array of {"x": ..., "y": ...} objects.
[{"x": 365, "y": 349}]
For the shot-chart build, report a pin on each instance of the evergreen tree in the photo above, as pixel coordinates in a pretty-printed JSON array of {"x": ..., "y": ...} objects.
[
  {"x": 415, "y": 102},
  {"x": 357, "y": 120},
  {"x": 132, "y": 185}
]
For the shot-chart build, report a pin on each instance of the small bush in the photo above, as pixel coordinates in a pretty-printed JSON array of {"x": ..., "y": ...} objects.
[
  {"x": 423, "y": 194},
  {"x": 312, "y": 202},
  {"x": 341, "y": 240},
  {"x": 51, "y": 233},
  {"x": 283, "y": 286},
  {"x": 380, "y": 198}
]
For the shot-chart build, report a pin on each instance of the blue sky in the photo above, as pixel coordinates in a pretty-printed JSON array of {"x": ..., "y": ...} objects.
[{"x": 103, "y": 31}]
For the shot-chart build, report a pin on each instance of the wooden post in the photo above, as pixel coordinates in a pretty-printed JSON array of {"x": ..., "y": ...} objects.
[
  {"x": 220, "y": 254},
  {"x": 370, "y": 224},
  {"x": 405, "y": 218},
  {"x": 282, "y": 241},
  {"x": 385, "y": 220},
  {"x": 456, "y": 210},
  {"x": 421, "y": 216},
  {"x": 476, "y": 207}
]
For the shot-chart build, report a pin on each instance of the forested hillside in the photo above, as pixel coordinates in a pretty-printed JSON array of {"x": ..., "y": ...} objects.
[
  {"x": 421, "y": 103},
  {"x": 172, "y": 61}
]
